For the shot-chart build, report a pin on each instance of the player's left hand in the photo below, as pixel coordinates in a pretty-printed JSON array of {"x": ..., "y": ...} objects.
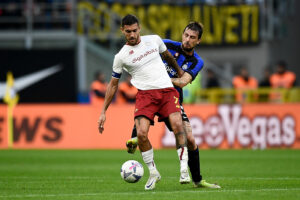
[{"x": 101, "y": 121}]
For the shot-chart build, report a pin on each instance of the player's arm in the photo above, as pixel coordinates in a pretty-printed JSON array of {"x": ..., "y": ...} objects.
[
  {"x": 189, "y": 74},
  {"x": 110, "y": 93},
  {"x": 182, "y": 81},
  {"x": 111, "y": 90},
  {"x": 167, "y": 56}
]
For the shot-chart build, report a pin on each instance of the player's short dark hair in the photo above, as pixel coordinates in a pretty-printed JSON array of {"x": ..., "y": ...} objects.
[
  {"x": 129, "y": 20},
  {"x": 195, "y": 26}
]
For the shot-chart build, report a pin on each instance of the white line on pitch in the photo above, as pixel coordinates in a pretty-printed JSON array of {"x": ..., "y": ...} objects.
[
  {"x": 249, "y": 178},
  {"x": 155, "y": 192},
  {"x": 54, "y": 178},
  {"x": 99, "y": 178}
]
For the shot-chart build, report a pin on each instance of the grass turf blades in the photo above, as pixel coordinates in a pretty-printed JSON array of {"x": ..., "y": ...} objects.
[{"x": 95, "y": 174}]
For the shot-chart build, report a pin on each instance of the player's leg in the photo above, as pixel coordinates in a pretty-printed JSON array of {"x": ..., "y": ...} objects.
[
  {"x": 170, "y": 109},
  {"x": 193, "y": 153},
  {"x": 142, "y": 128},
  {"x": 181, "y": 145},
  {"x": 194, "y": 159},
  {"x": 145, "y": 109},
  {"x": 134, "y": 133},
  {"x": 132, "y": 143}
]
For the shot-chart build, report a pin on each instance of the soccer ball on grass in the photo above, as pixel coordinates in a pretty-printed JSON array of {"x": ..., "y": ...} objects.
[{"x": 132, "y": 171}]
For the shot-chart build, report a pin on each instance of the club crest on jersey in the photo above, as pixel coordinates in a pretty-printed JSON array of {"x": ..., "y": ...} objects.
[
  {"x": 131, "y": 52},
  {"x": 184, "y": 66},
  {"x": 176, "y": 54}
]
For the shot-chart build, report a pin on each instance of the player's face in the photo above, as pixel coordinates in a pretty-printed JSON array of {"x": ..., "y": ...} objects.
[
  {"x": 131, "y": 33},
  {"x": 189, "y": 39}
]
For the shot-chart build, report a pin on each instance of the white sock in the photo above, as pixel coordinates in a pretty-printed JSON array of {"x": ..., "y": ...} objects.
[
  {"x": 148, "y": 159},
  {"x": 183, "y": 158}
]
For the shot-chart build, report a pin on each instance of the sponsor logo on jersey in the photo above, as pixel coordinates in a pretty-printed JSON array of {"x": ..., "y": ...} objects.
[
  {"x": 184, "y": 66},
  {"x": 144, "y": 55},
  {"x": 170, "y": 70}
]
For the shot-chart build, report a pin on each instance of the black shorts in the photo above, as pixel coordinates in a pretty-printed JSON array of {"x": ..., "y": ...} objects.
[{"x": 183, "y": 116}]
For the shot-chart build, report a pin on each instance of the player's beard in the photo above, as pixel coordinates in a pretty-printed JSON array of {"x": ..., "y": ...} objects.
[
  {"x": 133, "y": 41},
  {"x": 187, "y": 49}
]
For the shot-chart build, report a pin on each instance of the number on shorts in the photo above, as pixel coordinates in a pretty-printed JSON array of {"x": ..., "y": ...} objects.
[{"x": 176, "y": 99}]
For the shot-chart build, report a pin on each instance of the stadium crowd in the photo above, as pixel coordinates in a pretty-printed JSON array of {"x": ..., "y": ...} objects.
[
  {"x": 243, "y": 82},
  {"x": 57, "y": 14}
]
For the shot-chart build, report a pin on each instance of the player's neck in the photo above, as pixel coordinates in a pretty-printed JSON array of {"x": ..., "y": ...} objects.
[{"x": 189, "y": 53}]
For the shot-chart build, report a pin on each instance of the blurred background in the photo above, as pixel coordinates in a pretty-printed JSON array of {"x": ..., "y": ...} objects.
[{"x": 61, "y": 51}]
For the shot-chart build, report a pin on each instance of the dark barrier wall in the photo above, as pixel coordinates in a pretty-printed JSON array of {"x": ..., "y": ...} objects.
[{"x": 57, "y": 87}]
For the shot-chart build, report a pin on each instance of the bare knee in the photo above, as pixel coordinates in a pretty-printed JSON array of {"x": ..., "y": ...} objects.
[
  {"x": 176, "y": 122},
  {"x": 142, "y": 135},
  {"x": 177, "y": 127},
  {"x": 142, "y": 128},
  {"x": 191, "y": 142}
]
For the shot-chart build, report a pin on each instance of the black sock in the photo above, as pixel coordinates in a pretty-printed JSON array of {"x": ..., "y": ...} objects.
[
  {"x": 194, "y": 165},
  {"x": 134, "y": 133}
]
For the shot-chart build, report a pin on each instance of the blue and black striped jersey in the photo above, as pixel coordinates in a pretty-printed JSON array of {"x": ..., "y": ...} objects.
[{"x": 190, "y": 64}]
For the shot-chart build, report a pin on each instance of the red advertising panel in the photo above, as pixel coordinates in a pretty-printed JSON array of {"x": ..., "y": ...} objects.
[{"x": 72, "y": 126}]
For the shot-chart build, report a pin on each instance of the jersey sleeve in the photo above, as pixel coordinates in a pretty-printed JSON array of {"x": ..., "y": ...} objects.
[
  {"x": 166, "y": 41},
  {"x": 195, "y": 68},
  {"x": 171, "y": 44},
  {"x": 161, "y": 45},
  {"x": 117, "y": 67}
]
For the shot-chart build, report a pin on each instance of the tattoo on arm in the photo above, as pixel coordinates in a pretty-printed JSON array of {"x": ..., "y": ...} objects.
[{"x": 182, "y": 81}]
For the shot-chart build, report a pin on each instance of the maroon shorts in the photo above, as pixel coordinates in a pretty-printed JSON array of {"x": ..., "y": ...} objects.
[{"x": 160, "y": 102}]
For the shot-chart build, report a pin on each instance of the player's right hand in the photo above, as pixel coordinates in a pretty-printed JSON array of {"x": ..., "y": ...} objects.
[{"x": 101, "y": 121}]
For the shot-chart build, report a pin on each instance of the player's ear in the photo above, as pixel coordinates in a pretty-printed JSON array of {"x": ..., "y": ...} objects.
[{"x": 198, "y": 42}]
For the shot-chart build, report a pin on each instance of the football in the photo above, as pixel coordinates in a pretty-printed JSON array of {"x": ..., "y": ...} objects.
[{"x": 132, "y": 171}]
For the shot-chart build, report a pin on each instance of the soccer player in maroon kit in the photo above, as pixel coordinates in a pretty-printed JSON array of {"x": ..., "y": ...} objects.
[{"x": 140, "y": 57}]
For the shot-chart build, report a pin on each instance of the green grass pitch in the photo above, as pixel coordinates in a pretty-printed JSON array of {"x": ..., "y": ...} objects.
[{"x": 95, "y": 174}]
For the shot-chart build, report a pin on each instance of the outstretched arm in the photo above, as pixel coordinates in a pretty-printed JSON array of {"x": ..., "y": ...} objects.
[
  {"x": 167, "y": 56},
  {"x": 110, "y": 93},
  {"x": 182, "y": 81}
]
